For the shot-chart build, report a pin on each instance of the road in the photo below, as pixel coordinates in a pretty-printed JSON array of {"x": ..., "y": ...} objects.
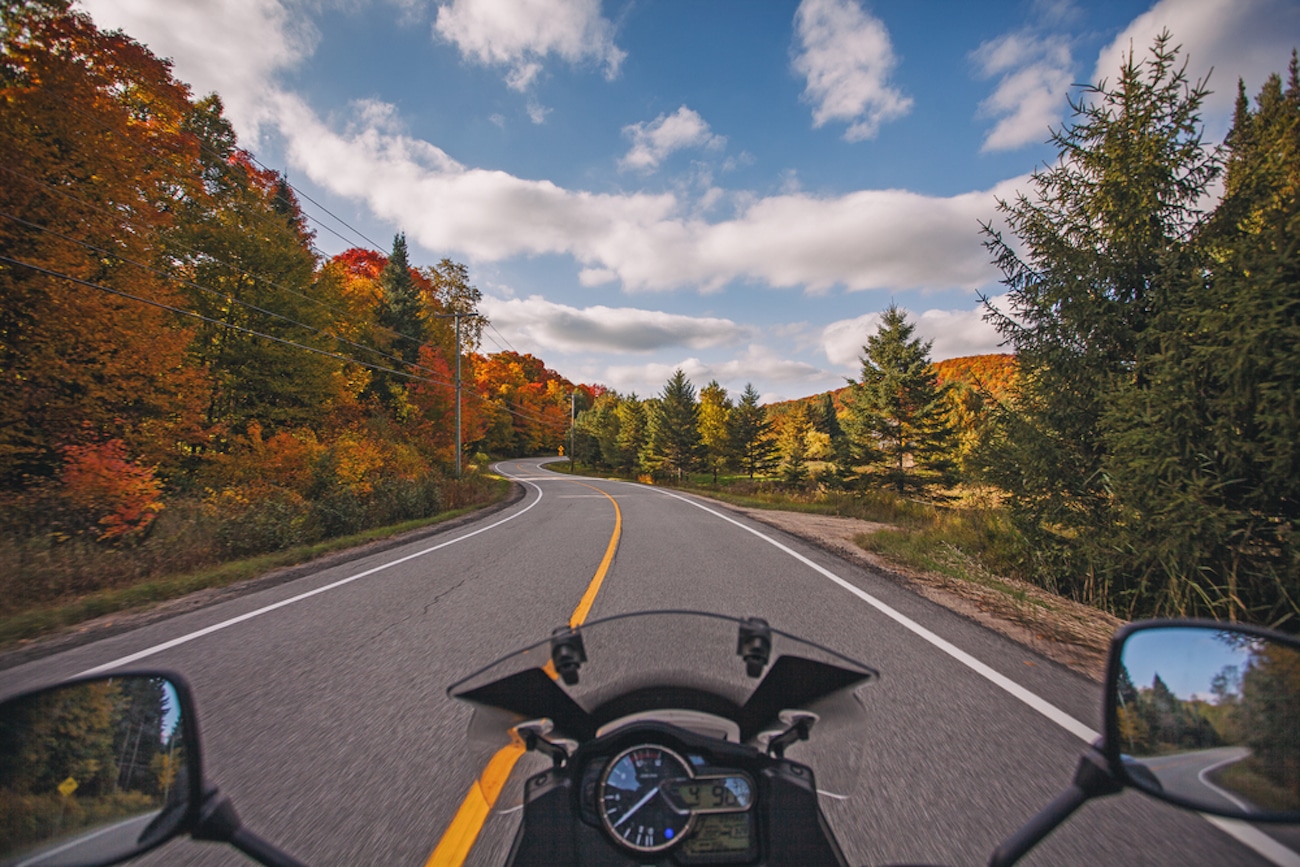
[
  {"x": 324, "y": 714},
  {"x": 1184, "y": 774}
]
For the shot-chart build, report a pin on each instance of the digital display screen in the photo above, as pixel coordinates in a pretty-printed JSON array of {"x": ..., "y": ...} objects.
[
  {"x": 709, "y": 794},
  {"x": 719, "y": 833}
]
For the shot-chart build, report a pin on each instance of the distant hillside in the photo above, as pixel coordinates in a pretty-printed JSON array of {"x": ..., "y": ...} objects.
[{"x": 994, "y": 373}]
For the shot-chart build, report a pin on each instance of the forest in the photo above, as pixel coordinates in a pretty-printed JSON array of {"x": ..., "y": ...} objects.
[{"x": 185, "y": 378}]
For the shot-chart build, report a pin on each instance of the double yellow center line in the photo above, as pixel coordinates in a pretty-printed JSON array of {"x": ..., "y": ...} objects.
[{"x": 459, "y": 838}]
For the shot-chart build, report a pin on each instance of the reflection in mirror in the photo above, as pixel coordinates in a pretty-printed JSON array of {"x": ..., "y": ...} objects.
[
  {"x": 91, "y": 772},
  {"x": 1211, "y": 716}
]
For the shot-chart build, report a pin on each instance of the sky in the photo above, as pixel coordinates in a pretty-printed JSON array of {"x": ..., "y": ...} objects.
[{"x": 736, "y": 188}]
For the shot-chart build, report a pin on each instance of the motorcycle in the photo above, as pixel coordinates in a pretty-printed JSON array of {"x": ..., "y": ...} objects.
[{"x": 671, "y": 737}]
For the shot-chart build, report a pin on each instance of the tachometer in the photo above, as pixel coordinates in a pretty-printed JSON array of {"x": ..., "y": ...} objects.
[{"x": 632, "y": 806}]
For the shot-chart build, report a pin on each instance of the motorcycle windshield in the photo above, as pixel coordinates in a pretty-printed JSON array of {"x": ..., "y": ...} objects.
[{"x": 649, "y": 663}]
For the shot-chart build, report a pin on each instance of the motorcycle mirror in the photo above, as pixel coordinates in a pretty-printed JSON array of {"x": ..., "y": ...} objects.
[
  {"x": 1206, "y": 715},
  {"x": 97, "y": 770}
]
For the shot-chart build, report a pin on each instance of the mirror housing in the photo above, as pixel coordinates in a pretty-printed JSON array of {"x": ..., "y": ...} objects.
[
  {"x": 100, "y": 769},
  {"x": 1206, "y": 715}
]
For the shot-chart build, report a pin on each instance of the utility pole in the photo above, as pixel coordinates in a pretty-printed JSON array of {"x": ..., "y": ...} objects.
[
  {"x": 459, "y": 445},
  {"x": 573, "y": 416}
]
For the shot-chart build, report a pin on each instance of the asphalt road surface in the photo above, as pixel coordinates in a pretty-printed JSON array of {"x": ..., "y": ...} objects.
[{"x": 324, "y": 714}]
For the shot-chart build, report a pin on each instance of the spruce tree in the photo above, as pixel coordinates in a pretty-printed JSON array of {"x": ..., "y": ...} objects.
[
  {"x": 751, "y": 434},
  {"x": 1203, "y": 448},
  {"x": 1103, "y": 237},
  {"x": 673, "y": 440},
  {"x": 898, "y": 410}
]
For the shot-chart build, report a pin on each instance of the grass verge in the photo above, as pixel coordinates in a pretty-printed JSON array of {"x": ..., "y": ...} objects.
[{"x": 45, "y": 619}]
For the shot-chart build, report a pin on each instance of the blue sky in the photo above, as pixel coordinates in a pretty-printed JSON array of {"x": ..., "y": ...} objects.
[{"x": 734, "y": 188}]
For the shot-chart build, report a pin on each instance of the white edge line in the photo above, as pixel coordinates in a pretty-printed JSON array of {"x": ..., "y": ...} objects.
[
  {"x": 1047, "y": 709},
  {"x": 1248, "y": 835},
  {"x": 80, "y": 841},
  {"x": 225, "y": 624},
  {"x": 1245, "y": 808}
]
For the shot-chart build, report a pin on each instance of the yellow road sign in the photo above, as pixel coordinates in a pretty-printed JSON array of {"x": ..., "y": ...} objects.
[{"x": 67, "y": 787}]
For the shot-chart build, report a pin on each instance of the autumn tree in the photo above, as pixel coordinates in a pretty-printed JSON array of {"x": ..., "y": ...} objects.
[
  {"x": 92, "y": 360},
  {"x": 793, "y": 444},
  {"x": 715, "y": 435},
  {"x": 754, "y": 447},
  {"x": 898, "y": 410}
]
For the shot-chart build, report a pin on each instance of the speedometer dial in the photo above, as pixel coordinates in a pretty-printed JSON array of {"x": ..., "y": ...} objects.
[{"x": 632, "y": 806}]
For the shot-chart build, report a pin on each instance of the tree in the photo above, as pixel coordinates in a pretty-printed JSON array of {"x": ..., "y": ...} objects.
[
  {"x": 1203, "y": 445},
  {"x": 673, "y": 437},
  {"x": 82, "y": 362},
  {"x": 898, "y": 410},
  {"x": 1105, "y": 235},
  {"x": 242, "y": 248},
  {"x": 715, "y": 435},
  {"x": 754, "y": 450},
  {"x": 793, "y": 444},
  {"x": 631, "y": 437}
]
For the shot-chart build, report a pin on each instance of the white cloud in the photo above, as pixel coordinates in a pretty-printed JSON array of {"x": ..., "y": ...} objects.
[
  {"x": 521, "y": 34},
  {"x": 653, "y": 142},
  {"x": 210, "y": 44},
  {"x": 955, "y": 333},
  {"x": 537, "y": 112},
  {"x": 1247, "y": 39},
  {"x": 546, "y": 325},
  {"x": 758, "y": 364},
  {"x": 869, "y": 239},
  {"x": 1031, "y": 93},
  {"x": 846, "y": 56}
]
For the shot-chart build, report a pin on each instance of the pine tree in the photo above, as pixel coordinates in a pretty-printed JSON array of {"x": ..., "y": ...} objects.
[
  {"x": 631, "y": 438},
  {"x": 751, "y": 435},
  {"x": 1204, "y": 446},
  {"x": 898, "y": 410},
  {"x": 673, "y": 439},
  {"x": 1104, "y": 237},
  {"x": 400, "y": 316}
]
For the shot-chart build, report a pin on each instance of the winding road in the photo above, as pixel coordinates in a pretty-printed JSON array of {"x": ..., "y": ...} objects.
[{"x": 324, "y": 714}]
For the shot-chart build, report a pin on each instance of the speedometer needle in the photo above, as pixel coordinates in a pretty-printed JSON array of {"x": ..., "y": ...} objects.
[{"x": 638, "y": 805}]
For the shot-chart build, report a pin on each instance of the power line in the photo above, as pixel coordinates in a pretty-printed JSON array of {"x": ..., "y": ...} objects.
[{"x": 285, "y": 341}]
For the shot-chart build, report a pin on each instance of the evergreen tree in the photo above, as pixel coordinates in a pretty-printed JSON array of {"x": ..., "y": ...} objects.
[
  {"x": 715, "y": 435},
  {"x": 898, "y": 410},
  {"x": 753, "y": 447},
  {"x": 631, "y": 436},
  {"x": 1102, "y": 240},
  {"x": 1204, "y": 443},
  {"x": 673, "y": 439},
  {"x": 400, "y": 316}
]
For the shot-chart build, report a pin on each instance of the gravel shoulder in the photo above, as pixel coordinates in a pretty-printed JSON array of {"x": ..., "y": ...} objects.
[{"x": 1068, "y": 632}]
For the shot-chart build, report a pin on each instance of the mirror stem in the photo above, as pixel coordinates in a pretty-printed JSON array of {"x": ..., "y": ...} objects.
[
  {"x": 219, "y": 823},
  {"x": 1092, "y": 779}
]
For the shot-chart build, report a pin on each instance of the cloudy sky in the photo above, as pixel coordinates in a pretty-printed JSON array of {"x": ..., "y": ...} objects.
[{"x": 734, "y": 188}]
